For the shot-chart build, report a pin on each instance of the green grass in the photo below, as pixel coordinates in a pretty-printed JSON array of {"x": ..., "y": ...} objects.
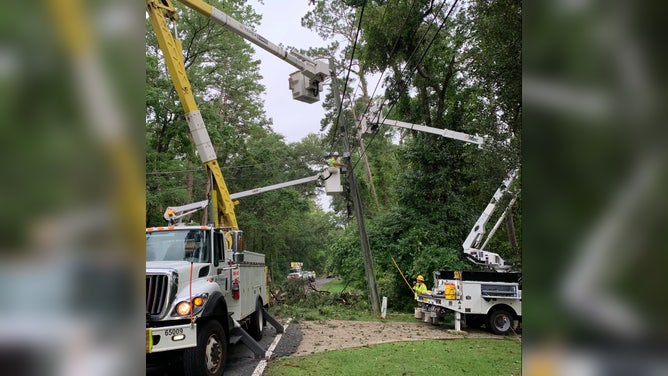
[
  {"x": 430, "y": 357},
  {"x": 337, "y": 312},
  {"x": 335, "y": 285}
]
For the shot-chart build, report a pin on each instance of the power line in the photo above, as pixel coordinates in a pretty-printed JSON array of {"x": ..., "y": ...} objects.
[
  {"x": 414, "y": 70},
  {"x": 166, "y": 172},
  {"x": 350, "y": 64},
  {"x": 393, "y": 51}
]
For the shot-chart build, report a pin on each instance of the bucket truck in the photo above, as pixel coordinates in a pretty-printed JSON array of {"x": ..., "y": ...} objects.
[
  {"x": 204, "y": 291},
  {"x": 492, "y": 298}
]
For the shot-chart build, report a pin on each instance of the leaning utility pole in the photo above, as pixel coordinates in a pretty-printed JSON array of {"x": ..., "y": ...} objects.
[
  {"x": 372, "y": 285},
  {"x": 358, "y": 133}
]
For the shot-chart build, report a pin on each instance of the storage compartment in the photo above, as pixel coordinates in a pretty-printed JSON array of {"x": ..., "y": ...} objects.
[
  {"x": 498, "y": 291},
  {"x": 450, "y": 291}
]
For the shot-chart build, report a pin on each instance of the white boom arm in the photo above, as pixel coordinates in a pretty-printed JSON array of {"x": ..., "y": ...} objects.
[
  {"x": 320, "y": 176},
  {"x": 174, "y": 213},
  {"x": 371, "y": 122},
  {"x": 306, "y": 83},
  {"x": 473, "y": 240},
  {"x": 499, "y": 221}
]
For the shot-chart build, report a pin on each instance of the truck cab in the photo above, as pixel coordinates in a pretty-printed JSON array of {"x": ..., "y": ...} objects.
[{"x": 202, "y": 290}]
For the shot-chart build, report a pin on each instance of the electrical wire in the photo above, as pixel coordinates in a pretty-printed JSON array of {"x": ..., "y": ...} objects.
[
  {"x": 166, "y": 172},
  {"x": 345, "y": 85},
  {"x": 392, "y": 52},
  {"x": 414, "y": 70}
]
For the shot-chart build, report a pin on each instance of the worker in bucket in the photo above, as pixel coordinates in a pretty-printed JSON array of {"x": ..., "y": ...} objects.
[
  {"x": 420, "y": 287},
  {"x": 334, "y": 161}
]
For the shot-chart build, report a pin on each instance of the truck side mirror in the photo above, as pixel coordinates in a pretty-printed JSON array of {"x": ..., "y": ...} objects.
[{"x": 238, "y": 241}]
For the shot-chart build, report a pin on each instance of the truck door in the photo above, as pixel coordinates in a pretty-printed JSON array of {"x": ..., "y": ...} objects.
[{"x": 219, "y": 260}]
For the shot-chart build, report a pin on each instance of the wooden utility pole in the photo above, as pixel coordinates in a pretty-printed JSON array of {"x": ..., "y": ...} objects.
[
  {"x": 369, "y": 271},
  {"x": 367, "y": 167}
]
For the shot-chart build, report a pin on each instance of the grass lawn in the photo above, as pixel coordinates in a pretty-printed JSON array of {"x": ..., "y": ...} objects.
[
  {"x": 335, "y": 285},
  {"x": 430, "y": 357}
]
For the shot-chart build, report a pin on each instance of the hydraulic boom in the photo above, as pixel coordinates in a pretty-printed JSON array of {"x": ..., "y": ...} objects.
[
  {"x": 471, "y": 246},
  {"x": 373, "y": 120},
  {"x": 474, "y": 239},
  {"x": 331, "y": 178},
  {"x": 305, "y": 85}
]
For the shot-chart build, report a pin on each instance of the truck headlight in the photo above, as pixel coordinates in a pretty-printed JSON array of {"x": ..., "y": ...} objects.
[{"x": 183, "y": 307}]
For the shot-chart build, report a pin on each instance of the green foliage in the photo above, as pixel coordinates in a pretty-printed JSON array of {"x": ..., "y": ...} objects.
[
  {"x": 302, "y": 304},
  {"x": 345, "y": 258},
  {"x": 430, "y": 357}
]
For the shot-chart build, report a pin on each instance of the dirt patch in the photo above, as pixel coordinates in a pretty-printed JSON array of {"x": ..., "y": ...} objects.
[{"x": 319, "y": 336}]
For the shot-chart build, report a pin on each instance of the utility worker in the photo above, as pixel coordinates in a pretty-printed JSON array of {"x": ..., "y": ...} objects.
[
  {"x": 420, "y": 287},
  {"x": 334, "y": 161}
]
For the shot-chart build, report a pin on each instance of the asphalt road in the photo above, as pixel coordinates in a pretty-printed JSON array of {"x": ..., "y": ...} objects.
[
  {"x": 240, "y": 361},
  {"x": 321, "y": 281}
]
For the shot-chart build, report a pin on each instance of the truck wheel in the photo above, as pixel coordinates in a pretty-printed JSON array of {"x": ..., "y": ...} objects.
[
  {"x": 257, "y": 322},
  {"x": 208, "y": 358},
  {"x": 500, "y": 322}
]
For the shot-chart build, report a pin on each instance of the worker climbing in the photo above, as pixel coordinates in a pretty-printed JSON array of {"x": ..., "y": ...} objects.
[{"x": 419, "y": 287}]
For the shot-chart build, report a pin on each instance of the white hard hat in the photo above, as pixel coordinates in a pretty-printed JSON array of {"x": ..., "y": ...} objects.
[{"x": 336, "y": 153}]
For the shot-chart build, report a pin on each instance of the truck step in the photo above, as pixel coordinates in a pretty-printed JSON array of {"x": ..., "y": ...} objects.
[
  {"x": 277, "y": 325},
  {"x": 234, "y": 339},
  {"x": 247, "y": 340}
]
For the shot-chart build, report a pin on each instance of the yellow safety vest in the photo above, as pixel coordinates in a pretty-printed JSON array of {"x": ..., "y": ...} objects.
[{"x": 419, "y": 288}]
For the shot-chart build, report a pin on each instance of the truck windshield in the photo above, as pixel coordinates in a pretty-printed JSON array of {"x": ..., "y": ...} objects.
[{"x": 178, "y": 245}]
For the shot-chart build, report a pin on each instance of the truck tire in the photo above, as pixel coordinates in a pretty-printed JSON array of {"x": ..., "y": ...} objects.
[
  {"x": 257, "y": 322},
  {"x": 210, "y": 355},
  {"x": 500, "y": 322}
]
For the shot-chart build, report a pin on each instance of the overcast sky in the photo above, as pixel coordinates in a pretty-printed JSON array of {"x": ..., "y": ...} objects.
[{"x": 281, "y": 24}]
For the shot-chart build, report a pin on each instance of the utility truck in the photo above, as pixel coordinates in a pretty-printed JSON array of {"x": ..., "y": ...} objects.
[
  {"x": 493, "y": 297},
  {"x": 490, "y": 298},
  {"x": 297, "y": 272},
  {"x": 204, "y": 290}
]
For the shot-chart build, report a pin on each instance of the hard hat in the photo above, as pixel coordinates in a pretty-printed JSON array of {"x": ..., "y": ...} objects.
[
  {"x": 336, "y": 153},
  {"x": 420, "y": 278}
]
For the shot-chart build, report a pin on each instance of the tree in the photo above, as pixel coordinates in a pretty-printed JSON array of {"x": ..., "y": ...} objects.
[
  {"x": 224, "y": 80},
  {"x": 441, "y": 70}
]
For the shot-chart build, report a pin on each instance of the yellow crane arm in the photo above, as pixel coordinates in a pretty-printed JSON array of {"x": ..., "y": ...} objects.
[{"x": 159, "y": 12}]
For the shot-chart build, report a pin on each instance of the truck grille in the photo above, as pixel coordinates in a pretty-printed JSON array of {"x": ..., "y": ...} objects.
[{"x": 156, "y": 293}]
